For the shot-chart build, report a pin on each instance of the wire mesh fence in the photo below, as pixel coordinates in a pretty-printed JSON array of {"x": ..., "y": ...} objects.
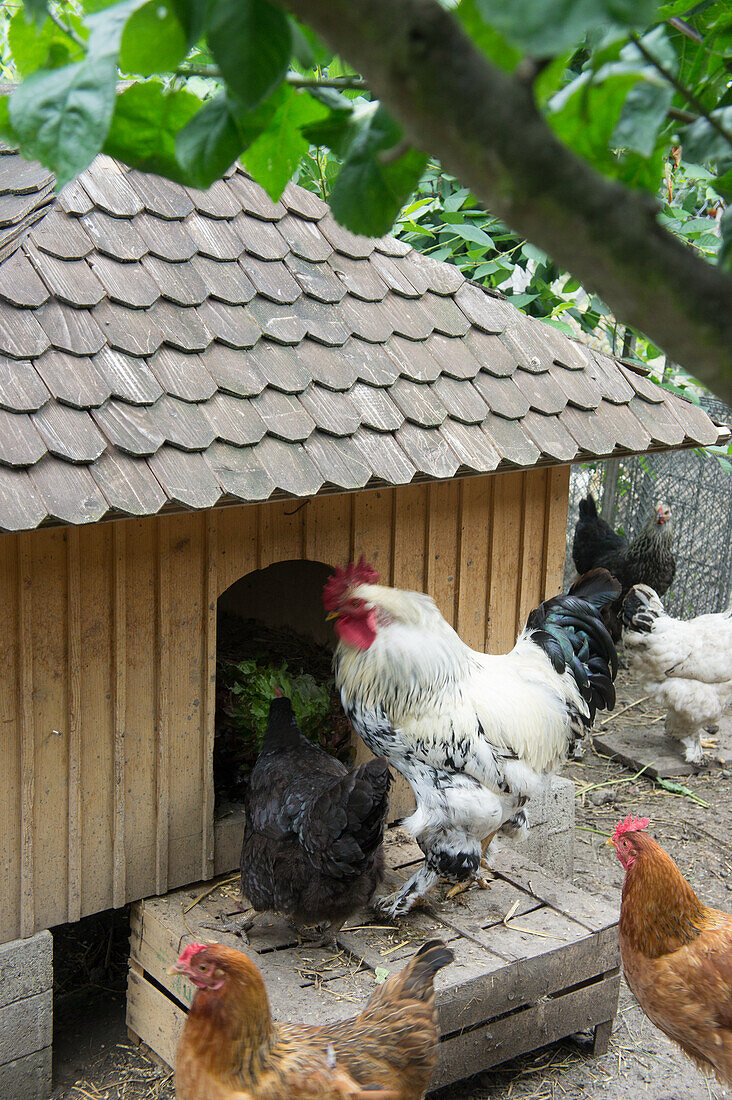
[{"x": 699, "y": 493}]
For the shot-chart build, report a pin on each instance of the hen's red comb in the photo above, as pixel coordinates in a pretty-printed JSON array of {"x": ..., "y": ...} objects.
[
  {"x": 188, "y": 952},
  {"x": 630, "y": 825},
  {"x": 355, "y": 573}
]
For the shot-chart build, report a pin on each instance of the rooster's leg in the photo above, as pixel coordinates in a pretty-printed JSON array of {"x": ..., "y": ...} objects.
[
  {"x": 485, "y": 844},
  {"x": 404, "y": 899}
]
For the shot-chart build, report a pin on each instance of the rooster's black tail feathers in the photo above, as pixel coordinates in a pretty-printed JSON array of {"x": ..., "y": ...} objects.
[{"x": 570, "y": 631}]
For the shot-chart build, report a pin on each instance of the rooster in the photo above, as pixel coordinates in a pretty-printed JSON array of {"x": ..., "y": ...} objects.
[
  {"x": 472, "y": 733},
  {"x": 312, "y": 844},
  {"x": 231, "y": 1049},
  {"x": 685, "y": 666},
  {"x": 646, "y": 559},
  {"x": 676, "y": 952}
]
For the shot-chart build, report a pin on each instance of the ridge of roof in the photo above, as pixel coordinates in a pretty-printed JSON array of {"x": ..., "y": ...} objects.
[{"x": 166, "y": 348}]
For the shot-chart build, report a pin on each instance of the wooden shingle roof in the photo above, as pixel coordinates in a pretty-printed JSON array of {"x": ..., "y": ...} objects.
[{"x": 162, "y": 348}]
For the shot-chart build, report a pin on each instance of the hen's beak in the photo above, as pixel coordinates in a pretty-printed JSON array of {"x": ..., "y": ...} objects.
[
  {"x": 176, "y": 968},
  {"x": 331, "y": 615},
  {"x": 610, "y": 842}
]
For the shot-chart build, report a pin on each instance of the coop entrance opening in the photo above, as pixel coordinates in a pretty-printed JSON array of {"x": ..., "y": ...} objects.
[{"x": 271, "y": 634}]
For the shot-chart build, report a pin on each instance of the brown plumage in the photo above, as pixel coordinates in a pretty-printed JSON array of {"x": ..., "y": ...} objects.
[
  {"x": 231, "y": 1049},
  {"x": 676, "y": 951}
]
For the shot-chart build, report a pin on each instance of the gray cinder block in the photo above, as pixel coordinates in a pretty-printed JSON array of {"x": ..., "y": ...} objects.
[
  {"x": 550, "y": 838},
  {"x": 26, "y": 1017},
  {"x": 27, "y": 1078},
  {"x": 26, "y": 967}
]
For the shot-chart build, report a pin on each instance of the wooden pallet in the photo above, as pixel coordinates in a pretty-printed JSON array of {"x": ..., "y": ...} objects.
[{"x": 548, "y": 971}]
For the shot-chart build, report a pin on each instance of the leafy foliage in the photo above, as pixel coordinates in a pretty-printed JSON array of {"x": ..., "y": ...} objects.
[
  {"x": 618, "y": 80},
  {"x": 254, "y": 684}
]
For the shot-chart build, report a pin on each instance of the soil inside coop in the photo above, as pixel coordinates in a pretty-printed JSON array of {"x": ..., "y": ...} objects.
[{"x": 235, "y": 751}]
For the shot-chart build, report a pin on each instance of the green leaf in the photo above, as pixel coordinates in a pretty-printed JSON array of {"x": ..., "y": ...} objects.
[
  {"x": 380, "y": 975},
  {"x": 644, "y": 113},
  {"x": 153, "y": 40},
  {"x": 547, "y": 28},
  {"x": 29, "y": 43},
  {"x": 192, "y": 18},
  {"x": 107, "y": 25},
  {"x": 146, "y": 120},
  {"x": 7, "y": 133},
  {"x": 473, "y": 233},
  {"x": 62, "y": 117},
  {"x": 36, "y": 10},
  {"x": 276, "y": 153},
  {"x": 585, "y": 115},
  {"x": 251, "y": 43},
  {"x": 703, "y": 143},
  {"x": 209, "y": 142},
  {"x": 375, "y": 179},
  {"x": 725, "y": 230},
  {"x": 486, "y": 38}
]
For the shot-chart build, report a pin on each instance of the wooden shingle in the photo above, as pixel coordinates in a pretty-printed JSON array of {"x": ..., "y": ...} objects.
[
  {"x": 20, "y": 284},
  {"x": 21, "y": 387},
  {"x": 182, "y": 374},
  {"x": 127, "y": 284},
  {"x": 290, "y": 467},
  {"x": 69, "y": 433},
  {"x": 72, "y": 379},
  {"x": 339, "y": 460},
  {"x": 20, "y": 444},
  {"x": 239, "y": 472},
  {"x": 129, "y": 428},
  {"x": 127, "y": 484},
  {"x": 172, "y": 347},
  {"x": 186, "y": 478},
  {"x": 234, "y": 419}
]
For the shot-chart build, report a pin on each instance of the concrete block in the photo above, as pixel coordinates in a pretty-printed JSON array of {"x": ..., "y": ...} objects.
[
  {"x": 27, "y": 1078},
  {"x": 26, "y": 1017},
  {"x": 550, "y": 838},
  {"x": 26, "y": 967},
  {"x": 26, "y": 1026}
]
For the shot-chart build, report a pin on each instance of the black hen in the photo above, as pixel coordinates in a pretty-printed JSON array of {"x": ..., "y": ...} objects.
[
  {"x": 646, "y": 559},
  {"x": 313, "y": 837}
]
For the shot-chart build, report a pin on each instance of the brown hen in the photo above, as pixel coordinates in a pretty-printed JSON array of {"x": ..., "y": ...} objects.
[
  {"x": 231, "y": 1049},
  {"x": 676, "y": 951}
]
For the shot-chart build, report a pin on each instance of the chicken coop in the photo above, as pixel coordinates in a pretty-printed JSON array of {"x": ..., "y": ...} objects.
[{"x": 207, "y": 400}]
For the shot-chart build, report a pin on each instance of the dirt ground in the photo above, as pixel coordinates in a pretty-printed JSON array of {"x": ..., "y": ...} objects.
[{"x": 95, "y": 1060}]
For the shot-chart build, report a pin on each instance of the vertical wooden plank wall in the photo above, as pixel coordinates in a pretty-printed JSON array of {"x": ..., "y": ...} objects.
[{"x": 107, "y": 677}]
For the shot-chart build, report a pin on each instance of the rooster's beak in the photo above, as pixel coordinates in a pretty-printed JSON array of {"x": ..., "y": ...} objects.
[{"x": 331, "y": 615}]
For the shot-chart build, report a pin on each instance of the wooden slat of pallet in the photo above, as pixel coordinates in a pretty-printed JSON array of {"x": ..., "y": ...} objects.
[
  {"x": 153, "y": 1016},
  {"x": 594, "y": 913},
  {"x": 498, "y": 1040}
]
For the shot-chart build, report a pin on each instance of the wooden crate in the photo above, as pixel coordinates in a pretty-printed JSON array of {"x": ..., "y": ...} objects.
[{"x": 548, "y": 971}]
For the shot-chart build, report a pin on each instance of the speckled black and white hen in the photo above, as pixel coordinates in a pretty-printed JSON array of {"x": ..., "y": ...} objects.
[
  {"x": 312, "y": 845},
  {"x": 471, "y": 732}
]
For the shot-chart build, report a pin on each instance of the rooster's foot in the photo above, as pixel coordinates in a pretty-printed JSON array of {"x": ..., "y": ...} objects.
[{"x": 461, "y": 887}]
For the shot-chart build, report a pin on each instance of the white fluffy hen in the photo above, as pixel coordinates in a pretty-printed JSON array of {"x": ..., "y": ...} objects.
[
  {"x": 685, "y": 666},
  {"x": 472, "y": 733}
]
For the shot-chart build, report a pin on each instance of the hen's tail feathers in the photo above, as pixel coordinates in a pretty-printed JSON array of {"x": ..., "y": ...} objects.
[
  {"x": 368, "y": 802},
  {"x": 570, "y": 630},
  {"x": 588, "y": 508},
  {"x": 419, "y": 974}
]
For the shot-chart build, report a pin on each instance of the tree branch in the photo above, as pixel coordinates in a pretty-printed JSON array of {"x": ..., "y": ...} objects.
[
  {"x": 347, "y": 83},
  {"x": 486, "y": 130},
  {"x": 68, "y": 30}
]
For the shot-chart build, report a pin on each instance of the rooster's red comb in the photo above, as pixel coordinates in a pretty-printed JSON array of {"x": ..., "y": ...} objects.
[
  {"x": 188, "y": 952},
  {"x": 630, "y": 825},
  {"x": 355, "y": 573}
]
